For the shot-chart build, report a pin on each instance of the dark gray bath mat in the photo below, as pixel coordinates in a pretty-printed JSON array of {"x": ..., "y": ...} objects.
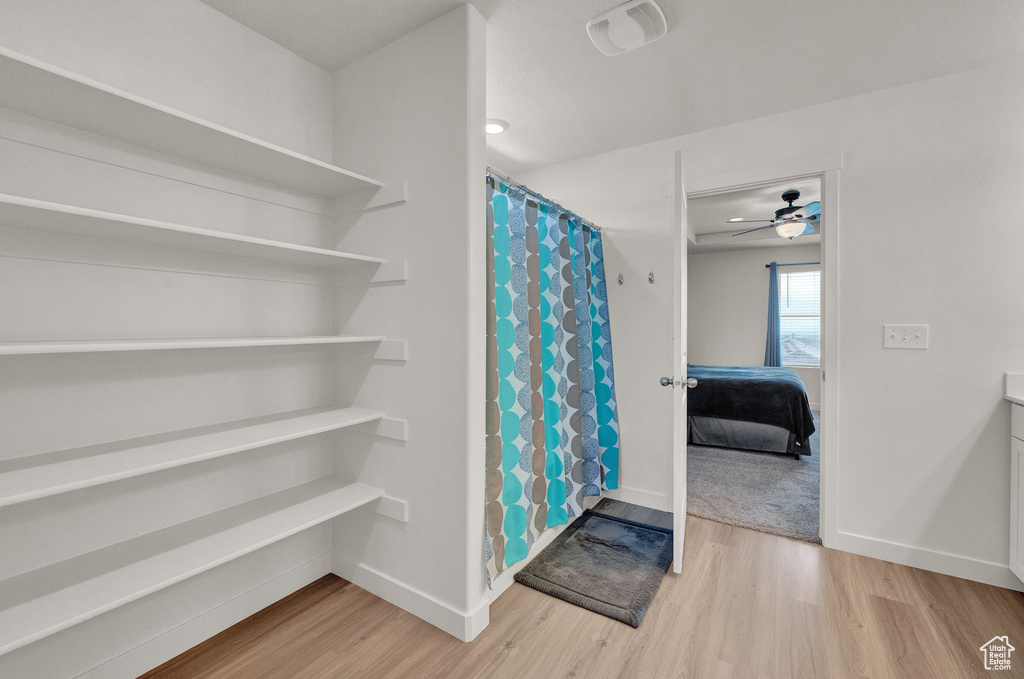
[{"x": 603, "y": 563}]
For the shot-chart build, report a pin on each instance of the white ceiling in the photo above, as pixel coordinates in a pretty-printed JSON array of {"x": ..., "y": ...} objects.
[
  {"x": 708, "y": 216},
  {"x": 721, "y": 62},
  {"x": 333, "y": 33}
]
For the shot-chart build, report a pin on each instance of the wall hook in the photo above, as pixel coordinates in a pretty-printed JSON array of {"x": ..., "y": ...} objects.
[
  {"x": 620, "y": 279},
  {"x": 650, "y": 278}
]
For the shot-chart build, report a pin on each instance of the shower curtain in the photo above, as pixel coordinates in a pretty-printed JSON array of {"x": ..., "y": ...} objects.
[{"x": 552, "y": 421}]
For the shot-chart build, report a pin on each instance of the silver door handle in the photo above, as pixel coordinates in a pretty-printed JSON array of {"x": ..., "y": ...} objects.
[{"x": 691, "y": 382}]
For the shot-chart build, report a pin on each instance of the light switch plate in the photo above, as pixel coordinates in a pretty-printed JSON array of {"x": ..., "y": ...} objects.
[{"x": 897, "y": 336}]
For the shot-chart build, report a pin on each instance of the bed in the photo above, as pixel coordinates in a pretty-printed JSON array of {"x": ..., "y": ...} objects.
[{"x": 751, "y": 408}]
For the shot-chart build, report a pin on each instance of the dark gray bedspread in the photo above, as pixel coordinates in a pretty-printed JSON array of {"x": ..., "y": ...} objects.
[{"x": 753, "y": 394}]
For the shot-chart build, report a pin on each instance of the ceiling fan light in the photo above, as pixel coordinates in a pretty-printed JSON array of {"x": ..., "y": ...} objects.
[{"x": 791, "y": 229}]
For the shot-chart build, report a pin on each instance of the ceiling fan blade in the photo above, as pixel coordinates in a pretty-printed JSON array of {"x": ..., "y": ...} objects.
[
  {"x": 746, "y": 221},
  {"x": 809, "y": 230},
  {"x": 811, "y": 210},
  {"x": 770, "y": 226}
]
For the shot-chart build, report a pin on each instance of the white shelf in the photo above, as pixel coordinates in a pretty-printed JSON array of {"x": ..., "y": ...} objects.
[
  {"x": 41, "y": 215},
  {"x": 38, "y": 476},
  {"x": 101, "y": 346},
  {"x": 44, "y": 602},
  {"x": 45, "y": 91}
]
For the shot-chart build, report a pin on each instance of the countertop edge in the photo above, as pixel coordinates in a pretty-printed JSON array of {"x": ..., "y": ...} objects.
[{"x": 1014, "y": 388}]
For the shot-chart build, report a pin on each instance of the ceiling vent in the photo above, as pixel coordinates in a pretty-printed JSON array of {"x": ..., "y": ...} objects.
[{"x": 627, "y": 27}]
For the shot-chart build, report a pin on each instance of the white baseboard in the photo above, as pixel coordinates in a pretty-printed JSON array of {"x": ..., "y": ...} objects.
[
  {"x": 461, "y": 625},
  {"x": 159, "y": 650},
  {"x": 988, "y": 572},
  {"x": 644, "y": 498}
]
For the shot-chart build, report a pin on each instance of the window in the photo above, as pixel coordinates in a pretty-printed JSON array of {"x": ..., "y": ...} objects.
[{"x": 800, "y": 316}]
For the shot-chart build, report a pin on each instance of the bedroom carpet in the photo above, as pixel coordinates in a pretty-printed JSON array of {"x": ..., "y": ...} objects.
[{"x": 768, "y": 492}]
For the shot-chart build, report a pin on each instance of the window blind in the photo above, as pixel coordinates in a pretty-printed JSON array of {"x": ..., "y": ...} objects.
[{"x": 800, "y": 316}]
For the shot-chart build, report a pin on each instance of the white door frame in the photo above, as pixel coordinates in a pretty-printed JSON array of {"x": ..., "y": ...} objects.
[{"x": 827, "y": 168}]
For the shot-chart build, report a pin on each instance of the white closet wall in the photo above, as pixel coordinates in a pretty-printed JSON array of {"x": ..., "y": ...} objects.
[
  {"x": 184, "y": 55},
  {"x": 425, "y": 117},
  {"x": 173, "y": 470}
]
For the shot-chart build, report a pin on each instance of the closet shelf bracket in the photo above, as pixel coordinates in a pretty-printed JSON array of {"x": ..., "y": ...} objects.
[
  {"x": 393, "y": 271},
  {"x": 393, "y": 428}
]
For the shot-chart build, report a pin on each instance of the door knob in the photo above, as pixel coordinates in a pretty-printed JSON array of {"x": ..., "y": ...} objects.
[
  {"x": 691, "y": 382},
  {"x": 666, "y": 381}
]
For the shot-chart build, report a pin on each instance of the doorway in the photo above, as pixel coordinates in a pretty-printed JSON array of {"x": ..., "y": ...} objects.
[
  {"x": 754, "y": 450},
  {"x": 717, "y": 472}
]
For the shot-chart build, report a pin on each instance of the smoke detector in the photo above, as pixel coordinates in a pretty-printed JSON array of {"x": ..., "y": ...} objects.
[{"x": 626, "y": 27}]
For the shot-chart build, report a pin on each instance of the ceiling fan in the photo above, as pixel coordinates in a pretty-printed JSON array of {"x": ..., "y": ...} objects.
[{"x": 790, "y": 221}]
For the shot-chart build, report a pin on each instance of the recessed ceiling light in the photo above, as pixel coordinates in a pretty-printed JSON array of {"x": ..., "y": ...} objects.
[
  {"x": 495, "y": 126},
  {"x": 736, "y": 219}
]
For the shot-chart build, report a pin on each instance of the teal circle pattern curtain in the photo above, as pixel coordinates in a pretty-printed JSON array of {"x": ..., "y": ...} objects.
[{"x": 552, "y": 419}]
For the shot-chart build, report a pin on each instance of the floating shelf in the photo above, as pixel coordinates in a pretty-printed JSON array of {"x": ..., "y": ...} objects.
[
  {"x": 101, "y": 346},
  {"x": 41, "y": 215},
  {"x": 46, "y": 601},
  {"x": 36, "y": 88},
  {"x": 38, "y": 476}
]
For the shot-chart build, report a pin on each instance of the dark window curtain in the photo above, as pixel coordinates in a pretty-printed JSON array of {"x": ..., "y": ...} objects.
[{"x": 773, "y": 341}]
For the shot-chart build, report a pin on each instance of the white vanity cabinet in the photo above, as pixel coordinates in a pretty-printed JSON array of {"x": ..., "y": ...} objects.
[{"x": 1015, "y": 394}]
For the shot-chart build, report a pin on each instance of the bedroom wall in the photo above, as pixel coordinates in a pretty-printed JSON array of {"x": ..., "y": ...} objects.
[
  {"x": 727, "y": 296},
  {"x": 923, "y": 456}
]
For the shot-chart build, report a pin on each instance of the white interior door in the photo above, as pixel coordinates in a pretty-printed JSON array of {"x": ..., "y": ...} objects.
[{"x": 679, "y": 382}]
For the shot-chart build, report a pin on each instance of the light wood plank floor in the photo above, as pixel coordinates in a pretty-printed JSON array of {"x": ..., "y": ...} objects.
[{"x": 747, "y": 605}]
